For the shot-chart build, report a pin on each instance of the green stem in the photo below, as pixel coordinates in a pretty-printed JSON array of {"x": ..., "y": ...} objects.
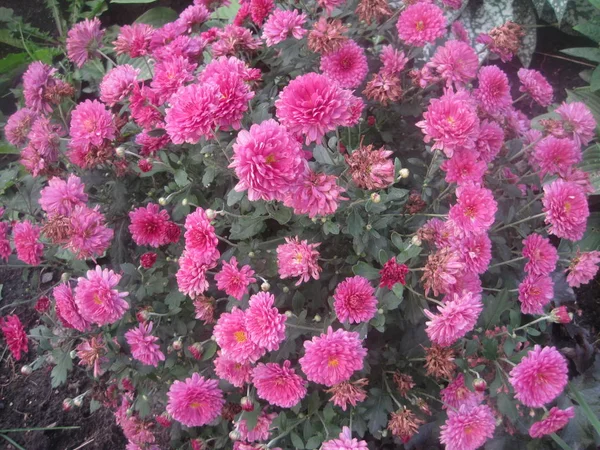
[
  {"x": 108, "y": 58},
  {"x": 562, "y": 444},
  {"x": 285, "y": 433},
  {"x": 300, "y": 327},
  {"x": 506, "y": 262},
  {"x": 423, "y": 296},
  {"x": 537, "y": 216},
  {"x": 227, "y": 241}
]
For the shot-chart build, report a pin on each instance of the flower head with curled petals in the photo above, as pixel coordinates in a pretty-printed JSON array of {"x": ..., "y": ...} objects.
[
  {"x": 578, "y": 122},
  {"x": 542, "y": 255},
  {"x": 348, "y": 392},
  {"x": 421, "y": 23},
  {"x": 298, "y": 258},
  {"x": 91, "y": 353},
  {"x": 468, "y": 428},
  {"x": 118, "y": 83},
  {"x": 148, "y": 225},
  {"x": 84, "y": 41},
  {"x": 260, "y": 432},
  {"x": 232, "y": 335},
  {"x": 555, "y": 420},
  {"x": 464, "y": 167},
  {"x": 346, "y": 65},
  {"x": 317, "y": 195},
  {"x": 392, "y": 273},
  {"x": 404, "y": 424},
  {"x": 371, "y": 169},
  {"x": 193, "y": 265},
  {"x": 583, "y": 268},
  {"x": 476, "y": 252},
  {"x": 134, "y": 40},
  {"x": 264, "y": 324},
  {"x": 233, "y": 280},
  {"x": 27, "y": 244},
  {"x": 282, "y": 24},
  {"x": 61, "y": 197},
  {"x": 354, "y": 300},
  {"x": 234, "y": 372},
  {"x": 475, "y": 210},
  {"x": 196, "y": 401},
  {"x": 14, "y": 335},
  {"x": 278, "y": 385},
  {"x": 556, "y": 156},
  {"x": 540, "y": 377},
  {"x": 393, "y": 60},
  {"x": 89, "y": 235},
  {"x": 455, "y": 62},
  {"x": 455, "y": 319},
  {"x": 18, "y": 125},
  {"x": 441, "y": 271},
  {"x": 566, "y": 208},
  {"x": 92, "y": 123},
  {"x": 97, "y": 299},
  {"x": 66, "y": 308},
  {"x": 143, "y": 345},
  {"x": 200, "y": 234},
  {"x": 489, "y": 141},
  {"x": 536, "y": 86},
  {"x": 333, "y": 357},
  {"x": 457, "y": 394},
  {"x": 345, "y": 442}
]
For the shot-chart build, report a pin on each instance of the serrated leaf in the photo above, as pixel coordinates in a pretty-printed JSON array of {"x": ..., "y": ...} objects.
[
  {"x": 590, "y": 30},
  {"x": 365, "y": 270},
  {"x": 234, "y": 197},
  {"x": 158, "y": 16},
  {"x": 64, "y": 364},
  {"x": 209, "y": 350},
  {"x": 244, "y": 228},
  {"x": 331, "y": 228},
  {"x": 279, "y": 212},
  {"x": 174, "y": 299},
  {"x": 378, "y": 405},
  {"x": 355, "y": 223},
  {"x": 297, "y": 441},
  {"x": 314, "y": 442}
]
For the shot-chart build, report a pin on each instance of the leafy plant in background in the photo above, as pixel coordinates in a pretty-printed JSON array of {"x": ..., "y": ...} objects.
[{"x": 316, "y": 225}]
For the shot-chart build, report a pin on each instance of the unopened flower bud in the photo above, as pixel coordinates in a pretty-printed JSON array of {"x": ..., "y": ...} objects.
[
  {"x": 560, "y": 315},
  {"x": 73, "y": 354},
  {"x": 286, "y": 289},
  {"x": 416, "y": 241},
  {"x": 314, "y": 220},
  {"x": 479, "y": 384},
  {"x": 120, "y": 151},
  {"x": 317, "y": 318},
  {"x": 375, "y": 197},
  {"x": 234, "y": 435},
  {"x": 380, "y": 311},
  {"x": 251, "y": 254},
  {"x": 26, "y": 370},
  {"x": 162, "y": 201},
  {"x": 65, "y": 277},
  {"x": 301, "y": 416},
  {"x": 289, "y": 314},
  {"x": 78, "y": 401},
  {"x": 185, "y": 201},
  {"x": 265, "y": 286},
  {"x": 246, "y": 404},
  {"x": 67, "y": 404},
  {"x": 368, "y": 227},
  {"x": 211, "y": 214},
  {"x": 177, "y": 345},
  {"x": 384, "y": 433},
  {"x": 323, "y": 220},
  {"x": 404, "y": 173}
]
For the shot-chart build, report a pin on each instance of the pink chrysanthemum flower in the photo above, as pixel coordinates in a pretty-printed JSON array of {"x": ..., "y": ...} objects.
[
  {"x": 460, "y": 32},
  {"x": 420, "y": 24},
  {"x": 298, "y": 258},
  {"x": 345, "y": 442},
  {"x": 118, "y": 84},
  {"x": 148, "y": 225},
  {"x": 265, "y": 326},
  {"x": 278, "y": 385},
  {"x": 455, "y": 319},
  {"x": 354, "y": 300},
  {"x": 5, "y": 250},
  {"x": 578, "y": 122},
  {"x": 33, "y": 161},
  {"x": 464, "y": 167},
  {"x": 392, "y": 273},
  {"x": 583, "y": 268},
  {"x": 441, "y": 271},
  {"x": 282, "y": 24},
  {"x": 535, "y": 292},
  {"x": 233, "y": 40},
  {"x": 191, "y": 115},
  {"x": 540, "y": 377},
  {"x": 469, "y": 428},
  {"x": 66, "y": 309},
  {"x": 18, "y": 125},
  {"x": 346, "y": 65},
  {"x": 151, "y": 144},
  {"x": 196, "y": 401},
  {"x": 371, "y": 169},
  {"x": 260, "y": 432},
  {"x": 542, "y": 255},
  {"x": 555, "y": 420},
  {"x": 489, "y": 141},
  {"x": 193, "y": 265},
  {"x": 451, "y": 122},
  {"x": 457, "y": 394},
  {"x": 476, "y": 252},
  {"x": 143, "y": 345},
  {"x": 26, "y": 238},
  {"x": 92, "y": 123},
  {"x": 312, "y": 105},
  {"x": 317, "y": 195},
  {"x": 456, "y": 62},
  {"x": 475, "y": 210},
  {"x": 192, "y": 16},
  {"x": 393, "y": 60},
  {"x": 170, "y": 75},
  {"x": 348, "y": 392},
  {"x": 556, "y": 156},
  {"x": 61, "y": 197},
  {"x": 493, "y": 93},
  {"x": 232, "y": 335},
  {"x": 260, "y": 9},
  {"x": 91, "y": 353},
  {"x": 14, "y": 335},
  {"x": 200, "y": 234},
  {"x": 466, "y": 281},
  {"x": 97, "y": 299},
  {"x": 333, "y": 357},
  {"x": 187, "y": 47},
  {"x": 534, "y": 84},
  {"x": 268, "y": 160},
  {"x": 134, "y": 40},
  {"x": 166, "y": 34},
  {"x": 36, "y": 80},
  {"x": 143, "y": 104},
  {"x": 234, "y": 372},
  {"x": 234, "y": 281},
  {"x": 84, "y": 40},
  {"x": 45, "y": 138},
  {"x": 566, "y": 208},
  {"x": 89, "y": 235}
]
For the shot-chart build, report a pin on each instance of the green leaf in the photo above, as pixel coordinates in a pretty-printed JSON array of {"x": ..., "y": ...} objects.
[
  {"x": 590, "y": 30},
  {"x": 591, "y": 164},
  {"x": 595, "y": 79},
  {"x": 378, "y": 405},
  {"x": 595, "y": 3},
  {"x": 142, "y": 405},
  {"x": 7, "y": 149},
  {"x": 410, "y": 252},
  {"x": 157, "y": 17},
  {"x": 589, "y": 53},
  {"x": 209, "y": 350},
  {"x": 397, "y": 241},
  {"x": 592, "y": 418},
  {"x": 174, "y": 299},
  {"x": 244, "y": 228},
  {"x": 132, "y": 1},
  {"x": 94, "y": 405},
  {"x": 355, "y": 223},
  {"x": 227, "y": 12},
  {"x": 279, "y": 212},
  {"x": 314, "y": 442},
  {"x": 64, "y": 364},
  {"x": 391, "y": 301},
  {"x": 331, "y": 228},
  {"x": 181, "y": 178},
  {"x": 13, "y": 61},
  {"x": 322, "y": 155},
  {"x": 365, "y": 270},
  {"x": 494, "y": 306},
  {"x": 234, "y": 197},
  {"x": 6, "y": 38},
  {"x": 297, "y": 441}
]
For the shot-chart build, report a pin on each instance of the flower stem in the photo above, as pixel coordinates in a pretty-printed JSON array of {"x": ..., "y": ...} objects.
[
  {"x": 506, "y": 262},
  {"x": 423, "y": 296},
  {"x": 537, "y": 216}
]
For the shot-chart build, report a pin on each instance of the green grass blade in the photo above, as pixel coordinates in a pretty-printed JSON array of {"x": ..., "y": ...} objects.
[
  {"x": 560, "y": 442},
  {"x": 17, "y": 430},
  {"x": 13, "y": 443},
  {"x": 586, "y": 409}
]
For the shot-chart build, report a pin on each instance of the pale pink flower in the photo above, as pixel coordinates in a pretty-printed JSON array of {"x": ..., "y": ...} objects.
[
  {"x": 534, "y": 84},
  {"x": 18, "y": 125},
  {"x": 200, "y": 234},
  {"x": 234, "y": 281},
  {"x": 345, "y": 442},
  {"x": 192, "y": 113},
  {"x": 97, "y": 299},
  {"x": 553, "y": 421},
  {"x": 556, "y": 156},
  {"x": 354, "y": 300},
  {"x": 234, "y": 372},
  {"x": 535, "y": 292},
  {"x": 420, "y": 24},
  {"x": 455, "y": 319},
  {"x": 278, "y": 385},
  {"x": 465, "y": 281},
  {"x": 475, "y": 210},
  {"x": 233, "y": 40},
  {"x": 282, "y": 24},
  {"x": 27, "y": 242},
  {"x": 346, "y": 65},
  {"x": 468, "y": 428},
  {"x": 14, "y": 335},
  {"x": 89, "y": 235},
  {"x": 66, "y": 309},
  {"x": 475, "y": 251},
  {"x": 193, "y": 265},
  {"x": 61, "y": 197},
  {"x": 264, "y": 324},
  {"x": 493, "y": 93},
  {"x": 143, "y": 345},
  {"x": 134, "y": 40},
  {"x": 456, "y": 62},
  {"x": 84, "y": 41},
  {"x": 298, "y": 258},
  {"x": 268, "y": 160},
  {"x": 232, "y": 335},
  {"x": 333, "y": 357},
  {"x": 566, "y": 208},
  {"x": 260, "y": 432},
  {"x": 457, "y": 394},
  {"x": 540, "y": 377},
  {"x": 148, "y": 225},
  {"x": 36, "y": 80},
  {"x": 393, "y": 60},
  {"x": 489, "y": 141},
  {"x": 441, "y": 271},
  {"x": 205, "y": 309},
  {"x": 118, "y": 83},
  {"x": 578, "y": 122},
  {"x": 542, "y": 255},
  {"x": 92, "y": 123},
  {"x": 583, "y": 268},
  {"x": 464, "y": 167},
  {"x": 317, "y": 195},
  {"x": 312, "y": 105},
  {"x": 196, "y": 401},
  {"x": 91, "y": 353}
]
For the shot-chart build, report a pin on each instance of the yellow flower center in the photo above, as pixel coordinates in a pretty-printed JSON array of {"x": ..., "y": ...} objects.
[
  {"x": 333, "y": 362},
  {"x": 97, "y": 299},
  {"x": 270, "y": 159},
  {"x": 420, "y": 25},
  {"x": 195, "y": 405},
  {"x": 240, "y": 336}
]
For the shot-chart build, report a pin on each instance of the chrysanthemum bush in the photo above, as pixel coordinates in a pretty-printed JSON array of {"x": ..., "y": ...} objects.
[{"x": 295, "y": 230}]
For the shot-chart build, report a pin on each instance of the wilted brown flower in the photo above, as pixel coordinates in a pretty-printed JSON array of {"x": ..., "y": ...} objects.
[
  {"x": 327, "y": 36},
  {"x": 57, "y": 229},
  {"x": 404, "y": 383},
  {"x": 440, "y": 270},
  {"x": 404, "y": 424},
  {"x": 371, "y": 169},
  {"x": 415, "y": 203},
  {"x": 55, "y": 92},
  {"x": 230, "y": 410},
  {"x": 423, "y": 406},
  {"x": 373, "y": 10},
  {"x": 205, "y": 309},
  {"x": 506, "y": 40},
  {"x": 439, "y": 362},
  {"x": 348, "y": 392},
  {"x": 383, "y": 88}
]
